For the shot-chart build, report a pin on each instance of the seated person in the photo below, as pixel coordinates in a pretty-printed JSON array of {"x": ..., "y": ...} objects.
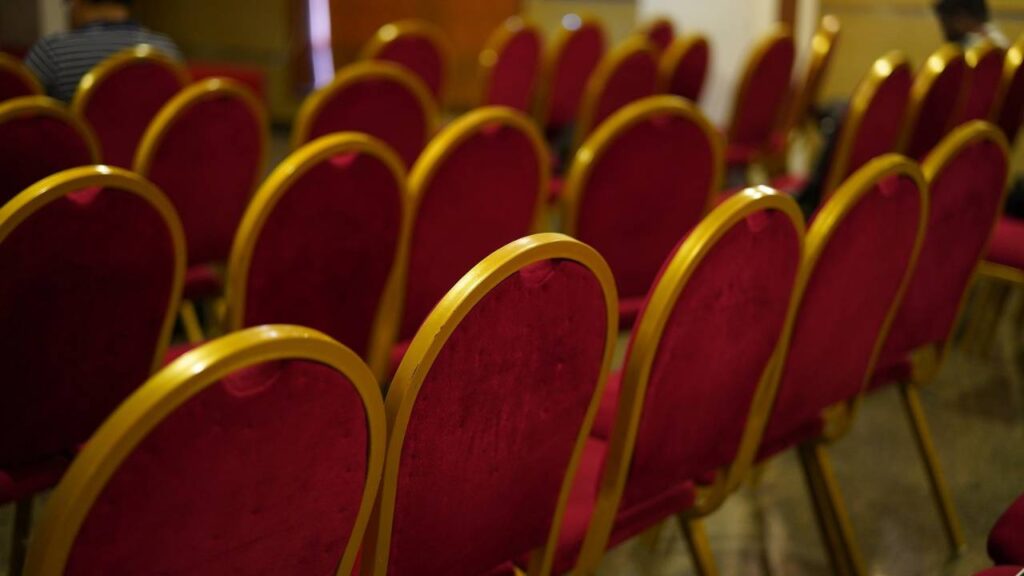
[
  {"x": 966, "y": 22},
  {"x": 99, "y": 28}
]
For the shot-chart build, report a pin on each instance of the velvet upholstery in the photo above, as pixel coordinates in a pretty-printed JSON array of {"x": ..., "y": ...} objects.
[
  {"x": 983, "y": 85},
  {"x": 421, "y": 56},
  {"x": 760, "y": 101},
  {"x": 202, "y": 281},
  {"x": 691, "y": 71},
  {"x": 123, "y": 103},
  {"x": 1006, "y": 540},
  {"x": 34, "y": 146},
  {"x": 1002, "y": 571},
  {"x": 846, "y": 301},
  {"x": 323, "y": 257},
  {"x": 660, "y": 34},
  {"x": 495, "y": 423},
  {"x": 516, "y": 69},
  {"x": 1007, "y": 246},
  {"x": 635, "y": 77},
  {"x": 13, "y": 85},
  {"x": 1011, "y": 110},
  {"x": 259, "y": 473},
  {"x": 938, "y": 109},
  {"x": 570, "y": 71},
  {"x": 482, "y": 195}
]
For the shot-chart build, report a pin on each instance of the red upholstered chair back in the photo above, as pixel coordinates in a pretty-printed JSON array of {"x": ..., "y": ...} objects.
[
  {"x": 206, "y": 150},
  {"x": 861, "y": 248},
  {"x": 377, "y": 98},
  {"x": 986, "y": 61},
  {"x": 39, "y": 137},
  {"x": 935, "y": 100},
  {"x": 478, "y": 186},
  {"x": 122, "y": 95},
  {"x": 624, "y": 75},
  {"x": 323, "y": 245},
  {"x": 967, "y": 176},
  {"x": 419, "y": 46},
  {"x": 660, "y": 33},
  {"x": 806, "y": 92},
  {"x": 684, "y": 67},
  {"x": 761, "y": 94},
  {"x": 16, "y": 80},
  {"x": 510, "y": 65},
  {"x": 874, "y": 122},
  {"x": 1011, "y": 101},
  {"x": 91, "y": 266},
  {"x": 489, "y": 412},
  {"x": 572, "y": 58},
  {"x": 260, "y": 452},
  {"x": 640, "y": 183}
]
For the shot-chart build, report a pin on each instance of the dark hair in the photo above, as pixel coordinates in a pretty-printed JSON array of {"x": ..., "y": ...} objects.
[
  {"x": 126, "y": 3},
  {"x": 977, "y": 9}
]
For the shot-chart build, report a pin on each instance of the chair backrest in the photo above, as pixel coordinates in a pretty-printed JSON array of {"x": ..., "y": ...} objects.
[
  {"x": 807, "y": 90},
  {"x": 861, "y": 248},
  {"x": 91, "y": 268},
  {"x": 16, "y": 80},
  {"x": 479, "y": 185},
  {"x": 624, "y": 75},
  {"x": 684, "y": 66},
  {"x": 260, "y": 451},
  {"x": 1011, "y": 100},
  {"x": 206, "y": 150},
  {"x": 39, "y": 137},
  {"x": 967, "y": 176},
  {"x": 510, "y": 65},
  {"x": 698, "y": 380},
  {"x": 323, "y": 244},
  {"x": 417, "y": 45},
  {"x": 640, "y": 183},
  {"x": 760, "y": 98},
  {"x": 496, "y": 395},
  {"x": 986, "y": 62},
  {"x": 874, "y": 121},
  {"x": 935, "y": 100},
  {"x": 659, "y": 32},
  {"x": 378, "y": 98},
  {"x": 573, "y": 55},
  {"x": 122, "y": 95}
]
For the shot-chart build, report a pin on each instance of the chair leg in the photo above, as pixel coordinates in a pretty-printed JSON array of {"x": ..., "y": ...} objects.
[
  {"x": 844, "y": 552},
  {"x": 940, "y": 489},
  {"x": 700, "y": 548},
  {"x": 19, "y": 535},
  {"x": 190, "y": 320}
]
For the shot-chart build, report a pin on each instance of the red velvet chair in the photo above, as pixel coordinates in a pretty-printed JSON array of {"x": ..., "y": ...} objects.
[
  {"x": 510, "y": 65},
  {"x": 39, "y": 137},
  {"x": 260, "y": 452},
  {"x": 659, "y": 32},
  {"x": 967, "y": 176},
  {"x": 91, "y": 265},
  {"x": 478, "y": 186},
  {"x": 861, "y": 247},
  {"x": 1006, "y": 540},
  {"x": 935, "y": 100},
  {"x": 801, "y": 112},
  {"x": 490, "y": 410},
  {"x": 679, "y": 425},
  {"x": 572, "y": 57},
  {"x": 638, "y": 185},
  {"x": 16, "y": 80},
  {"x": 323, "y": 244},
  {"x": 1011, "y": 100},
  {"x": 378, "y": 98},
  {"x": 420, "y": 47},
  {"x": 684, "y": 66},
  {"x": 121, "y": 96},
  {"x": 984, "y": 82},
  {"x": 1002, "y": 571},
  {"x": 624, "y": 75},
  {"x": 206, "y": 150}
]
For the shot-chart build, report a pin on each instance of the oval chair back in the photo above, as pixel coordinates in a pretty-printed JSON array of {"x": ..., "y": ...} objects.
[
  {"x": 478, "y": 186},
  {"x": 497, "y": 393},
  {"x": 807, "y": 91},
  {"x": 574, "y": 54},
  {"x": 1011, "y": 100},
  {"x": 935, "y": 100},
  {"x": 417, "y": 45},
  {"x": 206, "y": 150},
  {"x": 121, "y": 96},
  {"x": 624, "y": 75},
  {"x": 16, "y": 80},
  {"x": 91, "y": 266},
  {"x": 659, "y": 32},
  {"x": 509, "y": 65},
  {"x": 323, "y": 245},
  {"x": 38, "y": 138},
  {"x": 261, "y": 450},
  {"x": 684, "y": 66},
  {"x": 638, "y": 185},
  {"x": 984, "y": 81},
  {"x": 377, "y": 98},
  {"x": 861, "y": 247}
]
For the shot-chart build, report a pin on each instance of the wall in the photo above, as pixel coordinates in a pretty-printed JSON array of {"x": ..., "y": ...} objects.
[{"x": 619, "y": 16}]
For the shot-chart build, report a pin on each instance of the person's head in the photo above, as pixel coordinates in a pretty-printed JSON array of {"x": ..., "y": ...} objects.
[
  {"x": 85, "y": 11},
  {"x": 961, "y": 17}
]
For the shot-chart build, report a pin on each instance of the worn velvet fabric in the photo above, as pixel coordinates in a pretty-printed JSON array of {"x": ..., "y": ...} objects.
[
  {"x": 495, "y": 423},
  {"x": 848, "y": 295},
  {"x": 938, "y": 109},
  {"x": 421, "y": 56},
  {"x": 207, "y": 163},
  {"x": 1011, "y": 112},
  {"x": 570, "y": 72},
  {"x": 515, "y": 72},
  {"x": 323, "y": 256},
  {"x": 760, "y": 105},
  {"x": 124, "y": 103},
  {"x": 882, "y": 124},
  {"x": 633, "y": 79},
  {"x": 1006, "y": 540},
  {"x": 261, "y": 473},
  {"x": 983, "y": 82},
  {"x": 691, "y": 71},
  {"x": 1007, "y": 246},
  {"x": 13, "y": 86},
  {"x": 35, "y": 146},
  {"x": 483, "y": 195},
  {"x": 85, "y": 283}
]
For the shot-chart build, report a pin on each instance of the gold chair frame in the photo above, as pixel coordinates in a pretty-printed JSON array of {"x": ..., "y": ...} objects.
[
  {"x": 551, "y": 60},
  {"x": 128, "y": 57},
  {"x": 676, "y": 52},
  {"x": 806, "y": 94},
  {"x": 1011, "y": 68},
  {"x": 924, "y": 83},
  {"x": 412, "y": 27},
  {"x": 744, "y": 91},
  {"x": 16, "y": 68},
  {"x": 46, "y": 106},
  {"x": 976, "y": 55},
  {"x": 488, "y": 58},
  {"x": 647, "y": 28}
]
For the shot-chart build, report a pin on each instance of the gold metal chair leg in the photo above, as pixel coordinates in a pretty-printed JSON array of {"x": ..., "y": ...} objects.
[
  {"x": 19, "y": 535},
  {"x": 831, "y": 511},
  {"x": 190, "y": 320},
  {"x": 700, "y": 548},
  {"x": 940, "y": 489}
]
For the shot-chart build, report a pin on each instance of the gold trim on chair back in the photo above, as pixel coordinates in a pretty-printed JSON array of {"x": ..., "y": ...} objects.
[
  {"x": 781, "y": 34},
  {"x": 414, "y": 28},
  {"x": 648, "y": 29},
  {"x": 127, "y": 57},
  {"x": 1012, "y": 68},
  {"x": 14, "y": 66},
  {"x": 173, "y": 386},
  {"x": 924, "y": 82},
  {"x": 975, "y": 56},
  {"x": 670, "y": 59},
  {"x": 46, "y": 106},
  {"x": 431, "y": 339},
  {"x": 806, "y": 94},
  {"x": 491, "y": 53},
  {"x": 551, "y": 61}
]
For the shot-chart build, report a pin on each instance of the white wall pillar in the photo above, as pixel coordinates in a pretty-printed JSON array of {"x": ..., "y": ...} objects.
[{"x": 52, "y": 16}]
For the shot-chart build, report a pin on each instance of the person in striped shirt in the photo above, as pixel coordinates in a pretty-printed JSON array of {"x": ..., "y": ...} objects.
[{"x": 99, "y": 28}]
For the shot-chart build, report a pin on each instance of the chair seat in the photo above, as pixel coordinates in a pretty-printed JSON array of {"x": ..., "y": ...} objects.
[
  {"x": 742, "y": 155},
  {"x": 202, "y": 281},
  {"x": 1007, "y": 246},
  {"x": 24, "y": 481},
  {"x": 890, "y": 372},
  {"x": 790, "y": 184},
  {"x": 629, "y": 311},
  {"x": 1006, "y": 540},
  {"x": 556, "y": 185}
]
